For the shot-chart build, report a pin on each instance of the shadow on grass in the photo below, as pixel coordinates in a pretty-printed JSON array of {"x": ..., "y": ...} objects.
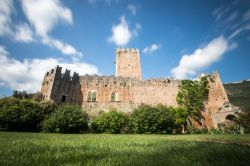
[{"x": 84, "y": 150}]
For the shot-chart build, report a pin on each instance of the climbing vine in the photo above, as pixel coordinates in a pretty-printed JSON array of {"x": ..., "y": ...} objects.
[{"x": 192, "y": 95}]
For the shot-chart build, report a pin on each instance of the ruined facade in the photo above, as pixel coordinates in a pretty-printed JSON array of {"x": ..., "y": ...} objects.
[{"x": 126, "y": 90}]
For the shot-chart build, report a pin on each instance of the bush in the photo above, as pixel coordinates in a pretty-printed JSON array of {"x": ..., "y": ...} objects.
[
  {"x": 110, "y": 122},
  {"x": 67, "y": 119},
  {"x": 192, "y": 130},
  {"x": 20, "y": 115},
  {"x": 243, "y": 120},
  {"x": 148, "y": 119}
]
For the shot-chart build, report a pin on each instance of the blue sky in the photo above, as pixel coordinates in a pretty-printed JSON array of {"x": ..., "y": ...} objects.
[{"x": 179, "y": 39}]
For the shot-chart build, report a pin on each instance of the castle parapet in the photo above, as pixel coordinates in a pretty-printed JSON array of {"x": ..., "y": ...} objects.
[{"x": 125, "y": 50}]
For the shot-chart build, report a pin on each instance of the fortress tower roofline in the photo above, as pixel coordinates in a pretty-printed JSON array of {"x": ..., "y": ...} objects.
[{"x": 135, "y": 50}]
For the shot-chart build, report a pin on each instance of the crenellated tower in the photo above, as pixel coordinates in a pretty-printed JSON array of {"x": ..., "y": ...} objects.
[
  {"x": 128, "y": 63},
  {"x": 61, "y": 87}
]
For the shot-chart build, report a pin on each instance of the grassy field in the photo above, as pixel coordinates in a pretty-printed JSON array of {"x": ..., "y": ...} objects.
[{"x": 105, "y": 149}]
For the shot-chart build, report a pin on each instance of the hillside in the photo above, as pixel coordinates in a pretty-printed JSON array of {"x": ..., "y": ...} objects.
[{"x": 239, "y": 94}]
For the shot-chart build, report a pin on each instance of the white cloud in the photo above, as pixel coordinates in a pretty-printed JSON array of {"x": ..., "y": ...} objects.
[
  {"x": 122, "y": 34},
  {"x": 6, "y": 8},
  {"x": 150, "y": 49},
  {"x": 44, "y": 15},
  {"x": 132, "y": 9},
  {"x": 190, "y": 65},
  {"x": 63, "y": 47},
  {"x": 28, "y": 74},
  {"x": 23, "y": 33}
]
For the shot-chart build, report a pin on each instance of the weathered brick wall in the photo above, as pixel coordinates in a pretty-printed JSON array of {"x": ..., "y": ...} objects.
[
  {"x": 57, "y": 84},
  {"x": 128, "y": 63},
  {"x": 217, "y": 99},
  {"x": 155, "y": 91},
  {"x": 104, "y": 86}
]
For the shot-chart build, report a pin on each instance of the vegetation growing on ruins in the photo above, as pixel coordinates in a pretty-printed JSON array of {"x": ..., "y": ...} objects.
[{"x": 192, "y": 95}]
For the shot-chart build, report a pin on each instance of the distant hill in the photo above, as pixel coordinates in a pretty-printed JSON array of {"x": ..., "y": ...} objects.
[{"x": 239, "y": 94}]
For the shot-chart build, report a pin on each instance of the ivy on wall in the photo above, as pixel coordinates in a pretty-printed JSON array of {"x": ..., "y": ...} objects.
[{"x": 192, "y": 95}]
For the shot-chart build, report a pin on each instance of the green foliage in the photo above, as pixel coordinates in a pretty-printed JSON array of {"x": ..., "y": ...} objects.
[
  {"x": 239, "y": 94},
  {"x": 67, "y": 119},
  {"x": 192, "y": 130},
  {"x": 243, "y": 120},
  {"x": 148, "y": 119},
  {"x": 23, "y": 115},
  {"x": 21, "y": 94},
  {"x": 110, "y": 122},
  {"x": 192, "y": 95}
]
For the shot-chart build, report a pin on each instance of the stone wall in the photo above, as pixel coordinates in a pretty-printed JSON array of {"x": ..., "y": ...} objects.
[
  {"x": 128, "y": 63},
  {"x": 61, "y": 87},
  {"x": 155, "y": 91}
]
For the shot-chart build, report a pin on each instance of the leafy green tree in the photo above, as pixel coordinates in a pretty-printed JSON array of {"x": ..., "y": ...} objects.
[
  {"x": 149, "y": 119},
  {"x": 243, "y": 120},
  {"x": 181, "y": 115},
  {"x": 110, "y": 122},
  {"x": 67, "y": 119},
  {"x": 20, "y": 115},
  {"x": 21, "y": 94}
]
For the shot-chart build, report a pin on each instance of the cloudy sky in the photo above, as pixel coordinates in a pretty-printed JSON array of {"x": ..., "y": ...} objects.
[{"x": 179, "y": 39}]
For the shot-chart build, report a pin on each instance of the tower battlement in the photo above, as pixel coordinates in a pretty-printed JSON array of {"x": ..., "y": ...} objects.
[
  {"x": 128, "y": 63},
  {"x": 131, "y": 50}
]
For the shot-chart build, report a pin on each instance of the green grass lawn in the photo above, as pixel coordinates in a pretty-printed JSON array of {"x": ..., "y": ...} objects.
[{"x": 105, "y": 149}]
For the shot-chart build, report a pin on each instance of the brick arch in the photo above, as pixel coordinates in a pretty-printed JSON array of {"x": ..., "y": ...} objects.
[{"x": 230, "y": 117}]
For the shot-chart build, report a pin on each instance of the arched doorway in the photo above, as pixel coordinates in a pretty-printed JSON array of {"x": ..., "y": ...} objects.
[{"x": 230, "y": 120}]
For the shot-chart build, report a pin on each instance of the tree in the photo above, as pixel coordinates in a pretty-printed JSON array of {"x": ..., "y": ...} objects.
[
  {"x": 67, "y": 119},
  {"x": 110, "y": 122},
  {"x": 181, "y": 115},
  {"x": 21, "y": 94},
  {"x": 243, "y": 120},
  {"x": 20, "y": 115},
  {"x": 149, "y": 119}
]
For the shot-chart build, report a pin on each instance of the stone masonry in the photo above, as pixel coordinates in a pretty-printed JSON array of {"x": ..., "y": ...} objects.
[{"x": 126, "y": 90}]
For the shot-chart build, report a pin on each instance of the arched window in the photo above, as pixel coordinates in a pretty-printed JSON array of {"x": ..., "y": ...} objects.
[
  {"x": 114, "y": 96},
  {"x": 91, "y": 96}
]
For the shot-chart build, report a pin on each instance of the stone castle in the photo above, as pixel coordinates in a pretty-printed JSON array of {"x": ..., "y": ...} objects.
[{"x": 127, "y": 90}]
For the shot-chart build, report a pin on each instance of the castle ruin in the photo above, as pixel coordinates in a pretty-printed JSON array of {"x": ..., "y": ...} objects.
[{"x": 127, "y": 90}]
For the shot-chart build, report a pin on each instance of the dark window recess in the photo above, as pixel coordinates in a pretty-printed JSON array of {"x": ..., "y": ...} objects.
[{"x": 63, "y": 98}]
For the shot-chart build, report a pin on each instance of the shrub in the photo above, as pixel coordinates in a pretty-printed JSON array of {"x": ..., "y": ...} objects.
[
  {"x": 110, "y": 122},
  {"x": 192, "y": 130},
  {"x": 243, "y": 120},
  {"x": 148, "y": 119},
  {"x": 20, "y": 115},
  {"x": 67, "y": 119}
]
